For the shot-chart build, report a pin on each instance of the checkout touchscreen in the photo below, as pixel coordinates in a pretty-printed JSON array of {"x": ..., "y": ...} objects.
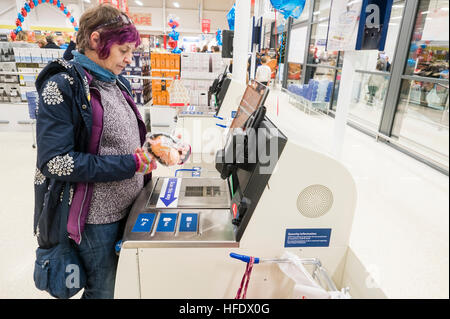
[{"x": 254, "y": 96}]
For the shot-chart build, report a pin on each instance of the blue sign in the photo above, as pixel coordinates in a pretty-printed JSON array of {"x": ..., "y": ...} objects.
[
  {"x": 233, "y": 114},
  {"x": 197, "y": 171},
  {"x": 373, "y": 24},
  {"x": 144, "y": 223},
  {"x": 169, "y": 195},
  {"x": 307, "y": 237},
  {"x": 167, "y": 222},
  {"x": 188, "y": 222}
]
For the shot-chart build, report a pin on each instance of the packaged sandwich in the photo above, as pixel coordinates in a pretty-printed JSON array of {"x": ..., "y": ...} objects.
[{"x": 166, "y": 149}]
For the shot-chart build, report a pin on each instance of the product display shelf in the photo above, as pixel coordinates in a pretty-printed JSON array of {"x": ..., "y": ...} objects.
[{"x": 306, "y": 105}]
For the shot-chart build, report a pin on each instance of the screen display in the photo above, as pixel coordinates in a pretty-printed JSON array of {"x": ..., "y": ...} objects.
[{"x": 254, "y": 96}]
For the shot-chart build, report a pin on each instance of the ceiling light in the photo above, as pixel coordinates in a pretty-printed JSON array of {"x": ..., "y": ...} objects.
[
  {"x": 176, "y": 4},
  {"x": 444, "y": 9},
  {"x": 425, "y": 12},
  {"x": 88, "y": 1},
  {"x": 316, "y": 13},
  {"x": 139, "y": 3},
  {"x": 398, "y": 17},
  {"x": 398, "y": 6}
]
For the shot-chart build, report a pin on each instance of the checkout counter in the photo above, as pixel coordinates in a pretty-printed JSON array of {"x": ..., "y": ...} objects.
[{"x": 266, "y": 200}]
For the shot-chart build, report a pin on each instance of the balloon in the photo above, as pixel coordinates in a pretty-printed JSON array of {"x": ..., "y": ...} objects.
[
  {"x": 68, "y": 14},
  {"x": 72, "y": 19},
  {"x": 27, "y": 7},
  {"x": 65, "y": 11},
  {"x": 413, "y": 47},
  {"x": 19, "y": 28},
  {"x": 289, "y": 8},
  {"x": 174, "y": 35},
  {"x": 20, "y": 17},
  {"x": 24, "y": 12},
  {"x": 423, "y": 46},
  {"x": 176, "y": 50},
  {"x": 13, "y": 36},
  {"x": 76, "y": 28},
  {"x": 31, "y": 4},
  {"x": 61, "y": 7},
  {"x": 231, "y": 17},
  {"x": 411, "y": 62},
  {"x": 18, "y": 22},
  {"x": 219, "y": 37}
]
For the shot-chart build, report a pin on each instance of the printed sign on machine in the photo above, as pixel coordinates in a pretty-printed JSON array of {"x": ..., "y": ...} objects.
[
  {"x": 307, "y": 237},
  {"x": 168, "y": 197}
]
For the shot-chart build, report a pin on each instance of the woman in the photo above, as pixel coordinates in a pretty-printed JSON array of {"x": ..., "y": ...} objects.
[
  {"x": 41, "y": 43},
  {"x": 89, "y": 135}
]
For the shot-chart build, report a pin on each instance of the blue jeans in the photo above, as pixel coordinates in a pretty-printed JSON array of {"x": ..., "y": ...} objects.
[{"x": 99, "y": 258}]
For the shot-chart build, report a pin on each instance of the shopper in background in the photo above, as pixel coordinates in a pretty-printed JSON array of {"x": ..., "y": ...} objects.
[
  {"x": 41, "y": 43},
  {"x": 197, "y": 49},
  {"x": 263, "y": 73},
  {"x": 50, "y": 43},
  {"x": 21, "y": 36},
  {"x": 205, "y": 49},
  {"x": 216, "y": 49},
  {"x": 61, "y": 43},
  {"x": 89, "y": 135},
  {"x": 375, "y": 81}
]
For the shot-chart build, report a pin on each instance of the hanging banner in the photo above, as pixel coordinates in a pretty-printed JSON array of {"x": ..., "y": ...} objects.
[
  {"x": 356, "y": 25},
  {"x": 141, "y": 18},
  {"x": 206, "y": 25},
  {"x": 373, "y": 24},
  {"x": 343, "y": 25}
]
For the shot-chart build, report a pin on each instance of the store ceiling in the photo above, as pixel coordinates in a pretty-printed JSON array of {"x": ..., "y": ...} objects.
[{"x": 208, "y": 5}]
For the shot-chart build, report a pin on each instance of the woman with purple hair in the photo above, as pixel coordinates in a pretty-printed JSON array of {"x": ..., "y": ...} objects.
[{"x": 89, "y": 138}]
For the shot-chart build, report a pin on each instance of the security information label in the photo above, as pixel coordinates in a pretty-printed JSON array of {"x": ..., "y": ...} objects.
[
  {"x": 167, "y": 222},
  {"x": 170, "y": 190},
  {"x": 188, "y": 222},
  {"x": 307, "y": 237},
  {"x": 144, "y": 223}
]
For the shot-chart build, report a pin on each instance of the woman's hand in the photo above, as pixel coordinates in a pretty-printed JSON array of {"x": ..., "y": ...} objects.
[{"x": 145, "y": 161}]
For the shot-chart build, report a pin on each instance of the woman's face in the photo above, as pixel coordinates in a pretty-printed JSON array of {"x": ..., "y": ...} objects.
[{"x": 120, "y": 56}]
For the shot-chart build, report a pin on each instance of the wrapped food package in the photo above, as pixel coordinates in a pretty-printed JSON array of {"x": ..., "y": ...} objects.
[{"x": 166, "y": 149}]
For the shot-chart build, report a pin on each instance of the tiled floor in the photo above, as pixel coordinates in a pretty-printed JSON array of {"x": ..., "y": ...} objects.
[{"x": 400, "y": 230}]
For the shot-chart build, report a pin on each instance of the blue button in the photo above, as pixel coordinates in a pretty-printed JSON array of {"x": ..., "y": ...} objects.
[
  {"x": 144, "y": 223},
  {"x": 188, "y": 222},
  {"x": 167, "y": 222}
]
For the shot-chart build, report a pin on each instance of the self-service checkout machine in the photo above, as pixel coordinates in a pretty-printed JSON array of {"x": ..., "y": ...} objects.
[
  {"x": 206, "y": 127},
  {"x": 272, "y": 198}
]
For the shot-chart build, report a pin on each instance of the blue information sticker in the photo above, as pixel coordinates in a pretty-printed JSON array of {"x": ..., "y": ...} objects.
[
  {"x": 167, "y": 222},
  {"x": 307, "y": 237},
  {"x": 233, "y": 114},
  {"x": 188, "y": 222},
  {"x": 144, "y": 223},
  {"x": 197, "y": 171}
]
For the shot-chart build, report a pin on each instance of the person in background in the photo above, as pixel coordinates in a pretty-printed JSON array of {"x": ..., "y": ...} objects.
[
  {"x": 21, "y": 36},
  {"x": 197, "y": 49},
  {"x": 89, "y": 139},
  {"x": 41, "y": 43},
  {"x": 50, "y": 43},
  {"x": 375, "y": 81},
  {"x": 388, "y": 64},
  {"x": 61, "y": 43},
  {"x": 205, "y": 49},
  {"x": 230, "y": 66},
  {"x": 263, "y": 73},
  {"x": 216, "y": 49}
]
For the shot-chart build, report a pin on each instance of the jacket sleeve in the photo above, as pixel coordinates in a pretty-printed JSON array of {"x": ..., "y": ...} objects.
[
  {"x": 68, "y": 53},
  {"x": 56, "y": 157}
]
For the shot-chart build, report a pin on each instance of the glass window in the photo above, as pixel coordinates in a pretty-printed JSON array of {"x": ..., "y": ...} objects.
[
  {"x": 321, "y": 9},
  {"x": 318, "y": 73},
  {"x": 317, "y": 45},
  {"x": 428, "y": 52},
  {"x": 336, "y": 90},
  {"x": 368, "y": 95},
  {"x": 421, "y": 119}
]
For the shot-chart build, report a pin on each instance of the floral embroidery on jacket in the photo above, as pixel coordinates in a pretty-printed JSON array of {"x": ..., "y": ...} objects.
[
  {"x": 51, "y": 94},
  {"x": 61, "y": 165},
  {"x": 39, "y": 178}
]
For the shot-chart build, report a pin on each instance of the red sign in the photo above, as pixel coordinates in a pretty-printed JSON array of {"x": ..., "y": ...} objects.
[
  {"x": 206, "y": 25},
  {"x": 122, "y": 5},
  {"x": 141, "y": 18}
]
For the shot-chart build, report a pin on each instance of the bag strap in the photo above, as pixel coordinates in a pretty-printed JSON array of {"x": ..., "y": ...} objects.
[
  {"x": 63, "y": 234},
  {"x": 246, "y": 278}
]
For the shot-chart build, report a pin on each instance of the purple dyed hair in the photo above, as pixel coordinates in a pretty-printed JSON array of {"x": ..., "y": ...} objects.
[{"x": 124, "y": 34}]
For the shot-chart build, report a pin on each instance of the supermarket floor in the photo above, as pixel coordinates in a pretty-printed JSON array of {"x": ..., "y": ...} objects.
[{"x": 400, "y": 231}]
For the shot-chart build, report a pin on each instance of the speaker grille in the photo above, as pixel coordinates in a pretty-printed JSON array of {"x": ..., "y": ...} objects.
[{"x": 314, "y": 201}]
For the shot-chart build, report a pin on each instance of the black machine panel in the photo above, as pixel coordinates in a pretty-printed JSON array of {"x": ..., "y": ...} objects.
[{"x": 247, "y": 161}]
